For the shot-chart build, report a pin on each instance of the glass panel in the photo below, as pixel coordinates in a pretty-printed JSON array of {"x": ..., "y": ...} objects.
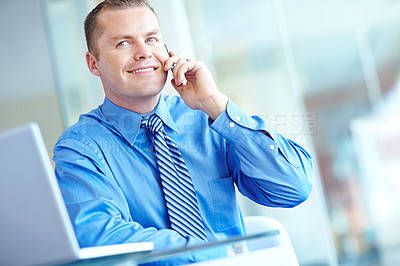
[
  {"x": 347, "y": 59},
  {"x": 242, "y": 59},
  {"x": 78, "y": 89},
  {"x": 27, "y": 91}
]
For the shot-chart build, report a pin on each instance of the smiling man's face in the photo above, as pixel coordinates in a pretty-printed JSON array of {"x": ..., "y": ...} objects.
[{"x": 131, "y": 55}]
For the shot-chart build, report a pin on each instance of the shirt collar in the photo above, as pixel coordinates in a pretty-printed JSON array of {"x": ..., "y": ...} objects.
[{"x": 128, "y": 122}]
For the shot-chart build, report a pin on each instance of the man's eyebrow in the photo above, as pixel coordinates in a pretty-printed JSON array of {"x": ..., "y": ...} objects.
[
  {"x": 119, "y": 37},
  {"x": 127, "y": 36}
]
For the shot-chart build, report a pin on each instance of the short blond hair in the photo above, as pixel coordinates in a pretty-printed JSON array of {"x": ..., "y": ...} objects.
[{"x": 93, "y": 29}]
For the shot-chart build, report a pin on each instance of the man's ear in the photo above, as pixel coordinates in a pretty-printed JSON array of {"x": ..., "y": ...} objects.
[{"x": 92, "y": 64}]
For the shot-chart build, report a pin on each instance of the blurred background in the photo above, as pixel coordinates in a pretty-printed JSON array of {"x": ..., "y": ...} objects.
[{"x": 323, "y": 73}]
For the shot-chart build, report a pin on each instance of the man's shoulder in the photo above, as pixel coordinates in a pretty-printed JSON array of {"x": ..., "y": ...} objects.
[{"x": 89, "y": 124}]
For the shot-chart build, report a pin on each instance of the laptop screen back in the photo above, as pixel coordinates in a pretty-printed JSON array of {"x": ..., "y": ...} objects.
[{"x": 34, "y": 224}]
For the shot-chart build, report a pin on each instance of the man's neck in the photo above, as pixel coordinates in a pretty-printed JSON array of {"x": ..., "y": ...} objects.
[{"x": 142, "y": 106}]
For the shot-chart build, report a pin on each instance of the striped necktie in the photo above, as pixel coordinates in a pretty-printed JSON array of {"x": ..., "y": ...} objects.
[{"x": 178, "y": 189}]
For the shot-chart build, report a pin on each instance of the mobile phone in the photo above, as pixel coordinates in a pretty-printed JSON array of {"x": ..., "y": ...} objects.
[{"x": 173, "y": 66}]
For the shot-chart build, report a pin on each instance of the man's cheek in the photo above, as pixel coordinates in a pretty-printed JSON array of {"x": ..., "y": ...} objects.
[{"x": 161, "y": 55}]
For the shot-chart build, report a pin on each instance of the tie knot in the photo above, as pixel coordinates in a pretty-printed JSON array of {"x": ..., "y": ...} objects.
[{"x": 153, "y": 123}]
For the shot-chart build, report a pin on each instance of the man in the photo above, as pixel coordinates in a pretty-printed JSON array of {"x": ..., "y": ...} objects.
[{"x": 115, "y": 184}]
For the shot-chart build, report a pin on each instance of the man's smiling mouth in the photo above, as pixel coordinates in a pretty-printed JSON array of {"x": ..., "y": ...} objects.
[{"x": 141, "y": 70}]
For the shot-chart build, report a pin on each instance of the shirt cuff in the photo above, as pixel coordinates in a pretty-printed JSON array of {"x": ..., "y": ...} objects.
[{"x": 234, "y": 123}]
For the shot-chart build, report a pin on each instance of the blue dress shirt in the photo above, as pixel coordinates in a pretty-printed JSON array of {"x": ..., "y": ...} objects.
[{"x": 108, "y": 174}]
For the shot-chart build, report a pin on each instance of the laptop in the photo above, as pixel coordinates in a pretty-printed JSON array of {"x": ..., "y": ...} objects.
[{"x": 35, "y": 228}]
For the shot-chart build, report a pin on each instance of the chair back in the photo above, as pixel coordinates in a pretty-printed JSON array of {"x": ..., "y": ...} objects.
[{"x": 258, "y": 224}]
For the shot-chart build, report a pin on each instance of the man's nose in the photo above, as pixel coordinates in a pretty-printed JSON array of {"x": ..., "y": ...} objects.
[{"x": 142, "y": 52}]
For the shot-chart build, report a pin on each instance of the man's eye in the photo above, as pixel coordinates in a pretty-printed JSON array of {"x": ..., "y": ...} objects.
[
  {"x": 151, "y": 39},
  {"x": 123, "y": 43}
]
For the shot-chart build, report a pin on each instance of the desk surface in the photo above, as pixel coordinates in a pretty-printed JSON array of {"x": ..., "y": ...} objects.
[{"x": 238, "y": 243}]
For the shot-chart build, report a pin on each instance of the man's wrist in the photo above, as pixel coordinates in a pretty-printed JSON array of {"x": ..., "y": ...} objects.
[{"x": 215, "y": 105}]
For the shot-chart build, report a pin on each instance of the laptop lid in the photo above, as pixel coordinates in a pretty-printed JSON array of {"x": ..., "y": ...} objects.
[{"x": 34, "y": 223}]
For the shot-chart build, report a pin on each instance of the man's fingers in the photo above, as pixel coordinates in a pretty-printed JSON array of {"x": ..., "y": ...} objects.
[
  {"x": 173, "y": 60},
  {"x": 179, "y": 72},
  {"x": 182, "y": 67},
  {"x": 177, "y": 87}
]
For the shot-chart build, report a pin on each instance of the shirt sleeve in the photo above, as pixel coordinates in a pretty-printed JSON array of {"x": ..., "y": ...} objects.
[
  {"x": 267, "y": 168},
  {"x": 98, "y": 209}
]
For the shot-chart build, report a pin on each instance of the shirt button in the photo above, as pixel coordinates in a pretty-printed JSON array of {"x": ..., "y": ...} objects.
[
  {"x": 272, "y": 146},
  {"x": 238, "y": 118},
  {"x": 231, "y": 124}
]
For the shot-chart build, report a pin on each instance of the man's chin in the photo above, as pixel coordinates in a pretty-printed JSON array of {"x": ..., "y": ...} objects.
[{"x": 153, "y": 89}]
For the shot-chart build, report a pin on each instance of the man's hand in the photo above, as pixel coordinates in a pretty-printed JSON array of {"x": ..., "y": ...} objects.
[{"x": 196, "y": 86}]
